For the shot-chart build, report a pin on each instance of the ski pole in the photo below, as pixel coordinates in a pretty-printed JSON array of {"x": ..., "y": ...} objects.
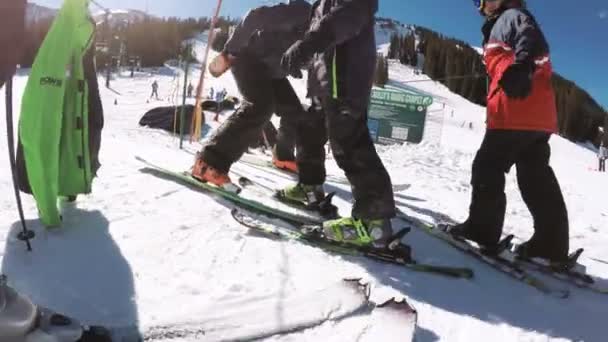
[
  {"x": 25, "y": 234},
  {"x": 198, "y": 111}
]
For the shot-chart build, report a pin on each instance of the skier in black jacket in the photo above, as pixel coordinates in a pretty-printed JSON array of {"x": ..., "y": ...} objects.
[
  {"x": 253, "y": 53},
  {"x": 341, "y": 49}
]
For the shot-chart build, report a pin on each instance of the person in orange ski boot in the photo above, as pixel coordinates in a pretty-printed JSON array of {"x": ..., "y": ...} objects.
[{"x": 253, "y": 54}]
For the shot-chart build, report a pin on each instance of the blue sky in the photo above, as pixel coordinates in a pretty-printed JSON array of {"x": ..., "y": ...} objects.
[{"x": 577, "y": 30}]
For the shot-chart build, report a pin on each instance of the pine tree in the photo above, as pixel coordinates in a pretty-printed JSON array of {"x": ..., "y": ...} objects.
[{"x": 381, "y": 73}]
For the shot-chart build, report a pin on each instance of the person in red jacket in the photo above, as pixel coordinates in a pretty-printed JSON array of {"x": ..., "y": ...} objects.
[{"x": 521, "y": 117}]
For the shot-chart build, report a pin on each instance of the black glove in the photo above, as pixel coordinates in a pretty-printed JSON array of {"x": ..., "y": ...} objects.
[{"x": 516, "y": 81}]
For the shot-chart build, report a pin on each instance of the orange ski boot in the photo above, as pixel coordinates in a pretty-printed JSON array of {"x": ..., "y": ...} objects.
[
  {"x": 207, "y": 174},
  {"x": 286, "y": 165}
]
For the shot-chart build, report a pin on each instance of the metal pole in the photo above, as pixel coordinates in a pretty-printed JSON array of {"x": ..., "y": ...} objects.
[
  {"x": 182, "y": 115},
  {"x": 195, "y": 131},
  {"x": 26, "y": 234}
]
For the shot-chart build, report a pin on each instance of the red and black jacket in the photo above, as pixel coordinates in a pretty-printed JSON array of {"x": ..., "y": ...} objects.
[{"x": 515, "y": 37}]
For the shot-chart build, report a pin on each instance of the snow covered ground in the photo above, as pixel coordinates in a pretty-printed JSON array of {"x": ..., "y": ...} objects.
[{"x": 142, "y": 250}]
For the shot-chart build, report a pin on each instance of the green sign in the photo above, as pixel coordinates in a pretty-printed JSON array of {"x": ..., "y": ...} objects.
[{"x": 397, "y": 115}]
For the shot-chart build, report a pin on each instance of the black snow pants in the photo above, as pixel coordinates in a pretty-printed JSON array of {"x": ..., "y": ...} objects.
[
  {"x": 345, "y": 124},
  {"x": 262, "y": 95},
  {"x": 602, "y": 166},
  {"x": 529, "y": 151}
]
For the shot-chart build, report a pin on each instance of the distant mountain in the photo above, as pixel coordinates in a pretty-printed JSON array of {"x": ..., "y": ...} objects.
[
  {"x": 118, "y": 17},
  {"x": 36, "y": 12},
  {"x": 386, "y": 28}
]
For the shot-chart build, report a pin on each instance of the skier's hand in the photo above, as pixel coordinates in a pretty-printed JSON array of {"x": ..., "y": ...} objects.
[
  {"x": 294, "y": 58},
  {"x": 516, "y": 81},
  {"x": 220, "y": 64}
]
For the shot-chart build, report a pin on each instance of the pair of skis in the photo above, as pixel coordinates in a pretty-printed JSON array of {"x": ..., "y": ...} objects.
[
  {"x": 508, "y": 262},
  {"x": 304, "y": 227},
  {"x": 397, "y": 253}
]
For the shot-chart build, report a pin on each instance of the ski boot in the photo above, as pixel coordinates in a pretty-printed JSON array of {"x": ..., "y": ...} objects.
[
  {"x": 465, "y": 231},
  {"x": 208, "y": 174},
  {"x": 285, "y": 165},
  {"x": 309, "y": 197},
  {"x": 561, "y": 263},
  {"x": 288, "y": 165},
  {"x": 374, "y": 233}
]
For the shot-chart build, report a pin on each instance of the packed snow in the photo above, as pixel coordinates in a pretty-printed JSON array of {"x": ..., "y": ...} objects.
[{"x": 145, "y": 251}]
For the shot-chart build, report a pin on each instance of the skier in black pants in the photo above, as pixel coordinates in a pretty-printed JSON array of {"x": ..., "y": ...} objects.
[
  {"x": 340, "y": 46},
  {"x": 521, "y": 116},
  {"x": 253, "y": 53},
  {"x": 154, "y": 90}
]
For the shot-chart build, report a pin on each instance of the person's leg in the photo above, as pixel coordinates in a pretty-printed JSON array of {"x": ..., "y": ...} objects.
[
  {"x": 356, "y": 154},
  {"x": 311, "y": 137},
  {"x": 289, "y": 108},
  {"x": 488, "y": 201},
  {"x": 541, "y": 192},
  {"x": 232, "y": 138}
]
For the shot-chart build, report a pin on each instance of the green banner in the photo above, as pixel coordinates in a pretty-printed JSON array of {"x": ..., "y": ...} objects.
[{"x": 397, "y": 115}]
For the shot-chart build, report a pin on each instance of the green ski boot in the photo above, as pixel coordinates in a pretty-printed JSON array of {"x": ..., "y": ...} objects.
[
  {"x": 309, "y": 197},
  {"x": 306, "y": 195},
  {"x": 376, "y": 233}
]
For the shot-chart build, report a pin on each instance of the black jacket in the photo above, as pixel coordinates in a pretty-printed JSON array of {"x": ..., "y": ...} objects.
[
  {"x": 267, "y": 32},
  {"x": 347, "y": 29}
]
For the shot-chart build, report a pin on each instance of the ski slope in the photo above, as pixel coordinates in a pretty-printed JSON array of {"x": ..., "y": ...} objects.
[{"x": 144, "y": 251}]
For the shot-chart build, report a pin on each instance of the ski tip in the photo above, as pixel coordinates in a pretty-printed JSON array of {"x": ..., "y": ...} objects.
[
  {"x": 360, "y": 285},
  {"x": 399, "y": 304}
]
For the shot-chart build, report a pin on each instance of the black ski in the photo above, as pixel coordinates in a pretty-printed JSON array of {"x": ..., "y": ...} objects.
[
  {"x": 396, "y": 252},
  {"x": 232, "y": 196},
  {"x": 497, "y": 262},
  {"x": 570, "y": 272},
  {"x": 324, "y": 209}
]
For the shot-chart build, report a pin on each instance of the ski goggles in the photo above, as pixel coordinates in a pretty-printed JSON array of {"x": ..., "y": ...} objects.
[{"x": 481, "y": 3}]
